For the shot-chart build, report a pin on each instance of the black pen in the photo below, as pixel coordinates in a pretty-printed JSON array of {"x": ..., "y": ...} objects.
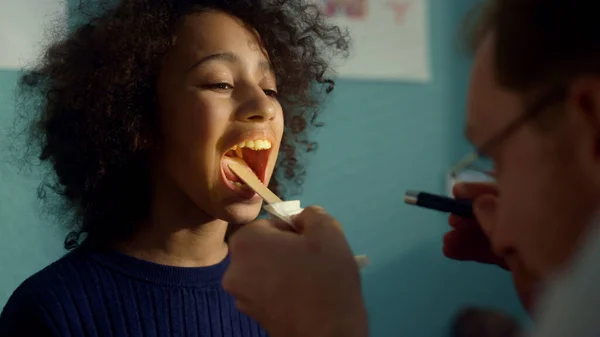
[{"x": 463, "y": 208}]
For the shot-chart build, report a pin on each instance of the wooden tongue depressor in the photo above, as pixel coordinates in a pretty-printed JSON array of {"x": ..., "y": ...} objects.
[
  {"x": 254, "y": 183},
  {"x": 250, "y": 179}
]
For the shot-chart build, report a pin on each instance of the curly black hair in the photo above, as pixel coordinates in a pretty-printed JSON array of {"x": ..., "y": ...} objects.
[{"x": 94, "y": 92}]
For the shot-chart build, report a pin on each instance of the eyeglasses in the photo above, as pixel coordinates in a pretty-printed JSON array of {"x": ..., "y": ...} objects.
[{"x": 477, "y": 160}]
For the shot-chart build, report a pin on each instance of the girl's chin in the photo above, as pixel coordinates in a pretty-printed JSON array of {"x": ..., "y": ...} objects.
[{"x": 241, "y": 214}]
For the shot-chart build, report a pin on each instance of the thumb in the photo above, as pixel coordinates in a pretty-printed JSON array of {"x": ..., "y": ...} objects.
[
  {"x": 485, "y": 212},
  {"x": 315, "y": 219}
]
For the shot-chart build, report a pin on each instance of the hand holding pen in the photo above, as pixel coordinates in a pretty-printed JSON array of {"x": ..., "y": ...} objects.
[
  {"x": 470, "y": 220},
  {"x": 469, "y": 239}
]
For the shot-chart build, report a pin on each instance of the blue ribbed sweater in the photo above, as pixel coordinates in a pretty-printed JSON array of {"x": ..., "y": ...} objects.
[{"x": 93, "y": 293}]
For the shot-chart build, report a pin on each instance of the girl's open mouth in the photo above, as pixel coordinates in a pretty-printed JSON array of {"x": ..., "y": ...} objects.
[{"x": 251, "y": 153}]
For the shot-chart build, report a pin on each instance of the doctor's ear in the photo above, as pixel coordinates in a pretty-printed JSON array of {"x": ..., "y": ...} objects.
[{"x": 583, "y": 100}]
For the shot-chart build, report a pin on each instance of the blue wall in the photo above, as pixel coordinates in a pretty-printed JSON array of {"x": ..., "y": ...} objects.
[
  {"x": 27, "y": 241},
  {"x": 379, "y": 140}
]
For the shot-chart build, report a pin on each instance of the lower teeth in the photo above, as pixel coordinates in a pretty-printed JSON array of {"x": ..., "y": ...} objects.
[{"x": 238, "y": 184}]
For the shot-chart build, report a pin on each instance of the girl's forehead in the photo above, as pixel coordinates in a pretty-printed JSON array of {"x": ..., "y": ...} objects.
[{"x": 216, "y": 32}]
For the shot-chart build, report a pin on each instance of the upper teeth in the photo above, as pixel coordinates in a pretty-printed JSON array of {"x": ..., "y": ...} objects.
[{"x": 257, "y": 144}]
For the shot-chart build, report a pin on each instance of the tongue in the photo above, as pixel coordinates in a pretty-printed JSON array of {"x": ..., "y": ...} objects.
[{"x": 254, "y": 160}]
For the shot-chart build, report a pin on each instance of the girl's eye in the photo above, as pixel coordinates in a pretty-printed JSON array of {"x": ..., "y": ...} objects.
[
  {"x": 270, "y": 92},
  {"x": 219, "y": 86}
]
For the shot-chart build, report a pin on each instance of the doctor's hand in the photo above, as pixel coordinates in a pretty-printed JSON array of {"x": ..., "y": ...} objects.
[
  {"x": 469, "y": 239},
  {"x": 297, "y": 283}
]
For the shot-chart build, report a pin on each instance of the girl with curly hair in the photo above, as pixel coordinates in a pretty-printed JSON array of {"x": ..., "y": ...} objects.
[{"x": 139, "y": 110}]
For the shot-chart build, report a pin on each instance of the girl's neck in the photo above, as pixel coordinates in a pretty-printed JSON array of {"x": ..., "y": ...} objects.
[
  {"x": 177, "y": 233},
  {"x": 185, "y": 247}
]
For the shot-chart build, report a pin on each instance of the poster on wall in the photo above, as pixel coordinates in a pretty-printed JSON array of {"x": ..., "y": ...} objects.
[
  {"x": 389, "y": 38},
  {"x": 23, "y": 27}
]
